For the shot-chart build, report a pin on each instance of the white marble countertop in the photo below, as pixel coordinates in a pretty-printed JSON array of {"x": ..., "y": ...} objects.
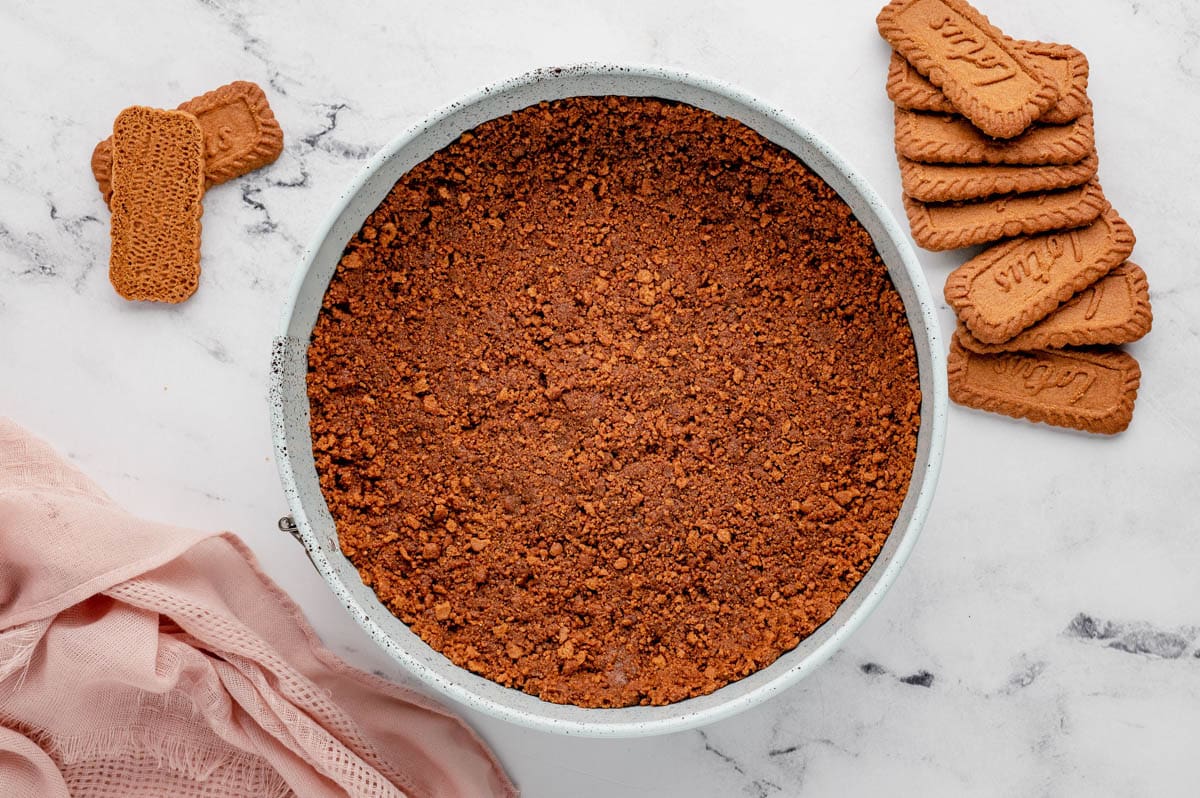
[{"x": 1044, "y": 639}]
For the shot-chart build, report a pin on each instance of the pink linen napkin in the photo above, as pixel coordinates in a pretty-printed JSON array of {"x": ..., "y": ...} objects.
[{"x": 139, "y": 659}]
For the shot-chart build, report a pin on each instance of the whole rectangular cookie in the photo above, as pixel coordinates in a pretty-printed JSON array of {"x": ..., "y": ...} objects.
[
  {"x": 1113, "y": 310},
  {"x": 987, "y": 79},
  {"x": 951, "y": 225},
  {"x": 936, "y": 138},
  {"x": 1009, "y": 287},
  {"x": 157, "y": 187},
  {"x": 240, "y": 134},
  {"x": 1089, "y": 390},
  {"x": 935, "y": 182},
  {"x": 909, "y": 89}
]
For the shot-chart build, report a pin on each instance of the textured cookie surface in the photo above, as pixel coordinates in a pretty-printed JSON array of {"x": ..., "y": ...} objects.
[
  {"x": 1113, "y": 310},
  {"x": 158, "y": 183},
  {"x": 1069, "y": 68},
  {"x": 952, "y": 225},
  {"x": 937, "y": 138},
  {"x": 936, "y": 182},
  {"x": 987, "y": 79},
  {"x": 909, "y": 89},
  {"x": 240, "y": 134},
  {"x": 1009, "y": 287},
  {"x": 1089, "y": 390},
  {"x": 102, "y": 167}
]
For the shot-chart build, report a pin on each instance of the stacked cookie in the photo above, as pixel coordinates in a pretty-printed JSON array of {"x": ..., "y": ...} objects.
[
  {"x": 153, "y": 172},
  {"x": 996, "y": 143}
]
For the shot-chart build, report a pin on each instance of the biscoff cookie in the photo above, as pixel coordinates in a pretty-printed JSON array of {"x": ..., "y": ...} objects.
[
  {"x": 937, "y": 138},
  {"x": 157, "y": 187},
  {"x": 240, "y": 135},
  {"x": 102, "y": 168},
  {"x": 909, "y": 89},
  {"x": 1089, "y": 390},
  {"x": 951, "y": 225},
  {"x": 1009, "y": 287},
  {"x": 1070, "y": 70},
  {"x": 1113, "y": 310},
  {"x": 983, "y": 75},
  {"x": 935, "y": 182}
]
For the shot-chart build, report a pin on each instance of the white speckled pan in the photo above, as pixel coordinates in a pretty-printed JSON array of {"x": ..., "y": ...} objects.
[{"x": 314, "y": 527}]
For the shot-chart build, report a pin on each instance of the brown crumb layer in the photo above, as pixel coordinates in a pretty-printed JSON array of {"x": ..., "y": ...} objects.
[{"x": 613, "y": 401}]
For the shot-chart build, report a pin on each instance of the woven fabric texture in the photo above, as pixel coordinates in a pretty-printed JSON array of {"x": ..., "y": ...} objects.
[{"x": 140, "y": 659}]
